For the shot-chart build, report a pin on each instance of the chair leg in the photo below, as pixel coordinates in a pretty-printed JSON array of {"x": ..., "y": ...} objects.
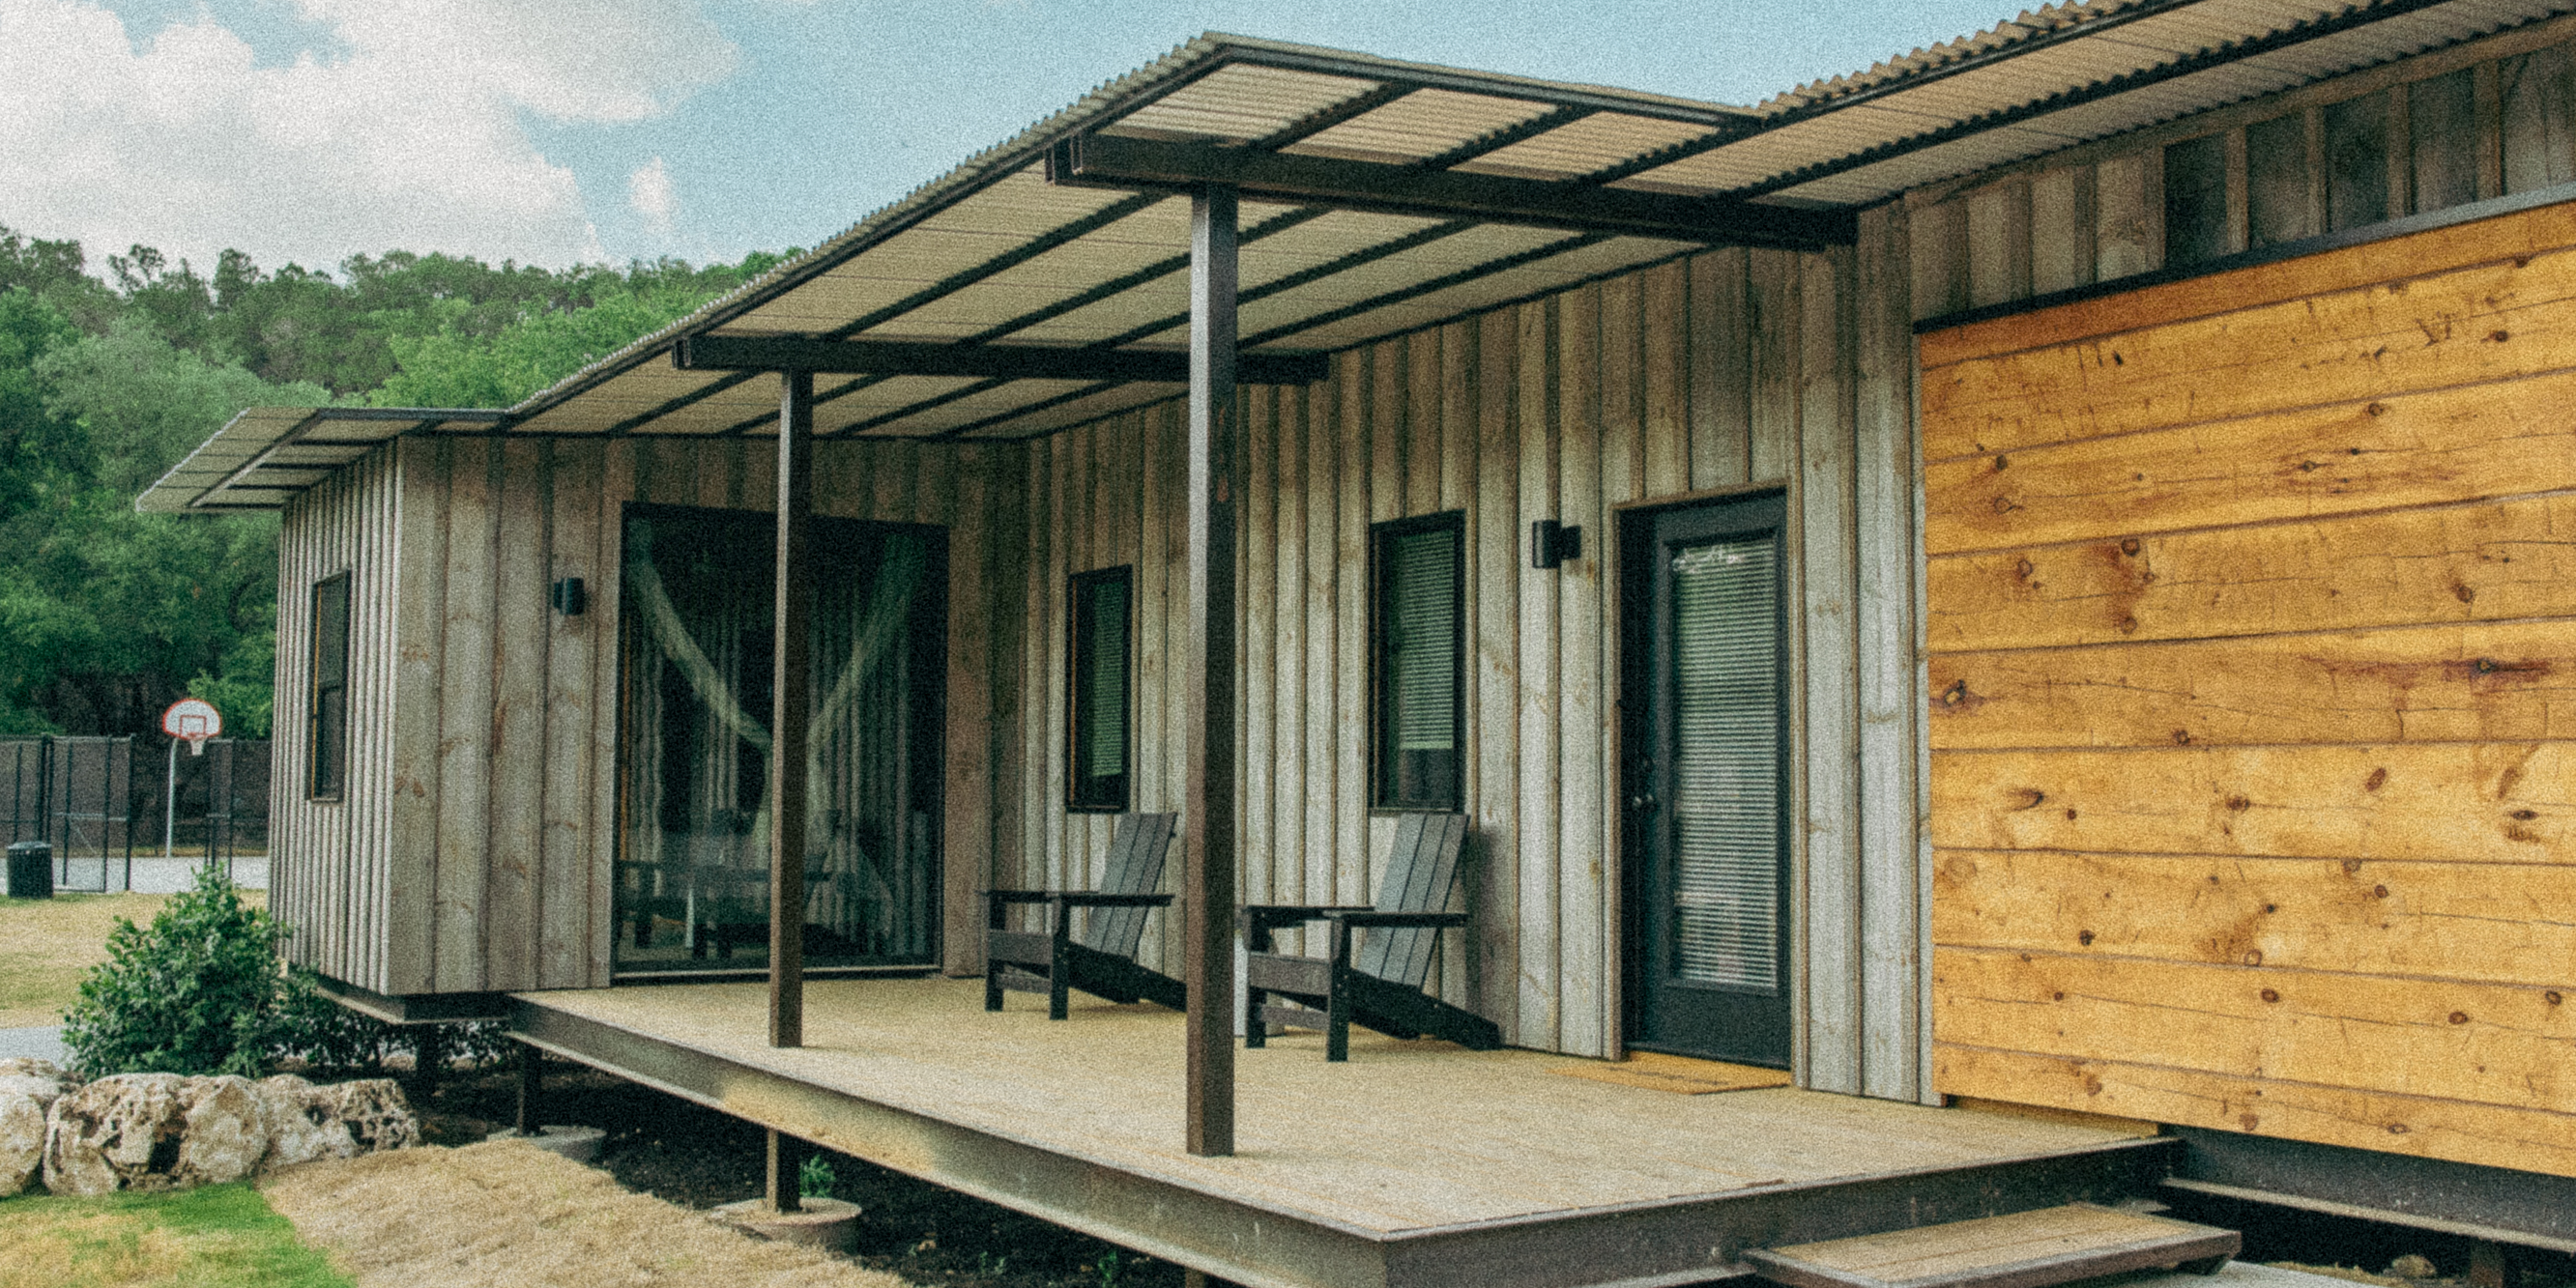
[
  {"x": 1256, "y": 1032},
  {"x": 1059, "y": 970},
  {"x": 1337, "y": 997},
  {"x": 992, "y": 985}
]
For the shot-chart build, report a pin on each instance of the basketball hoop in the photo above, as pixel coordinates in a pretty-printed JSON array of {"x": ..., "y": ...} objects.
[{"x": 192, "y": 721}]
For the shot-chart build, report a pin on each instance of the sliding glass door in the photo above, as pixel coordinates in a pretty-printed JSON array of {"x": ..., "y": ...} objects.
[{"x": 692, "y": 888}]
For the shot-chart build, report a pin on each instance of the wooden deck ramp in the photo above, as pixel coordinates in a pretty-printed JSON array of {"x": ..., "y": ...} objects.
[{"x": 1414, "y": 1165}]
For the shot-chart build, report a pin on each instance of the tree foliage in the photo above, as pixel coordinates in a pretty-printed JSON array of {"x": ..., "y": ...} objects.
[{"x": 107, "y": 615}]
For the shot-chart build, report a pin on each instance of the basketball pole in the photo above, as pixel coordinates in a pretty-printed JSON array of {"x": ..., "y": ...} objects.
[{"x": 170, "y": 800}]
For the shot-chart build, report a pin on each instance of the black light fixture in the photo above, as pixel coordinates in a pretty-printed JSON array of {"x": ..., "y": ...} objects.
[
  {"x": 1552, "y": 543},
  {"x": 571, "y": 598}
]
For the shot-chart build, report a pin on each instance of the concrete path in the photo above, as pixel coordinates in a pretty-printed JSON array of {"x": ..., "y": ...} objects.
[
  {"x": 152, "y": 874},
  {"x": 44, "y": 1044}
]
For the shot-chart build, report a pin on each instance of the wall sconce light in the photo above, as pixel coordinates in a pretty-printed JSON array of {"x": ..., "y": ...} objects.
[
  {"x": 1552, "y": 543},
  {"x": 571, "y": 598}
]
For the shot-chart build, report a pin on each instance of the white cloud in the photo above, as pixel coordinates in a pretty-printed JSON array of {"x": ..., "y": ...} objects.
[
  {"x": 412, "y": 138},
  {"x": 648, "y": 190}
]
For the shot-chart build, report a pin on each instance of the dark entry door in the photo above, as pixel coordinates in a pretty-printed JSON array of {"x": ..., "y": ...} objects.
[{"x": 1709, "y": 796}]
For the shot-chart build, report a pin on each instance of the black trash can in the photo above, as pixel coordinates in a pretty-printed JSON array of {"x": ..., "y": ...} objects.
[{"x": 31, "y": 870}]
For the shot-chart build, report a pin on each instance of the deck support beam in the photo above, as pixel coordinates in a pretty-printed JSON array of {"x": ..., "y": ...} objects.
[
  {"x": 1208, "y": 814},
  {"x": 790, "y": 686}
]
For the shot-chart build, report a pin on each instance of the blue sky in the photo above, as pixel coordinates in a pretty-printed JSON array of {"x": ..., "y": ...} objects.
[{"x": 551, "y": 131}]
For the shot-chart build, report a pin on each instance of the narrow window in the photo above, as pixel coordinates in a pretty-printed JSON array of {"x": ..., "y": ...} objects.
[
  {"x": 1419, "y": 722},
  {"x": 2442, "y": 125},
  {"x": 2356, "y": 162},
  {"x": 2276, "y": 180},
  {"x": 2539, "y": 93},
  {"x": 327, "y": 745},
  {"x": 2196, "y": 200},
  {"x": 1100, "y": 748}
]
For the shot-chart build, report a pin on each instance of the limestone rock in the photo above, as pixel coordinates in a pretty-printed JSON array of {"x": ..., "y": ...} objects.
[
  {"x": 374, "y": 1111},
  {"x": 302, "y": 1126},
  {"x": 42, "y": 1079},
  {"x": 153, "y": 1131},
  {"x": 27, "y": 1089},
  {"x": 22, "y": 1140},
  {"x": 224, "y": 1138}
]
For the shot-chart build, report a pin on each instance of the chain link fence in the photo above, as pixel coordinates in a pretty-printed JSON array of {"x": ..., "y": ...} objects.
[{"x": 84, "y": 797}]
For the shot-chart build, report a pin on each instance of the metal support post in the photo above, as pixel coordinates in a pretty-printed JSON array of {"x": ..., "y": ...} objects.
[
  {"x": 786, "y": 1156},
  {"x": 532, "y": 1088},
  {"x": 1215, "y": 466},
  {"x": 790, "y": 686}
]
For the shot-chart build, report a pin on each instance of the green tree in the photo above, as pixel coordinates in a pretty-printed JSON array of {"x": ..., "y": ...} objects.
[
  {"x": 106, "y": 615},
  {"x": 458, "y": 367}
]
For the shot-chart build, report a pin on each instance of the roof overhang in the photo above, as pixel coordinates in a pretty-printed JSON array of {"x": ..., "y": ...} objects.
[{"x": 1040, "y": 285}]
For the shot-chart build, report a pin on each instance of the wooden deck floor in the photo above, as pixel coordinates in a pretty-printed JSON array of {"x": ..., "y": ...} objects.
[{"x": 1410, "y": 1145}]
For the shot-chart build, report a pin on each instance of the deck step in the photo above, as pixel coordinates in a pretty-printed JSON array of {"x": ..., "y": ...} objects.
[{"x": 2025, "y": 1250}]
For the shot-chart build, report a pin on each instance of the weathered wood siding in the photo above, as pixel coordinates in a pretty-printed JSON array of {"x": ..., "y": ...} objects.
[
  {"x": 2253, "y": 628},
  {"x": 341, "y": 906},
  {"x": 2096, "y": 214},
  {"x": 474, "y": 851},
  {"x": 1728, "y": 370}
]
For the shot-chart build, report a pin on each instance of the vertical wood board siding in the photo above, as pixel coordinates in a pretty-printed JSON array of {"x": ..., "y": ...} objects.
[
  {"x": 1723, "y": 370},
  {"x": 474, "y": 849},
  {"x": 1726, "y": 370}
]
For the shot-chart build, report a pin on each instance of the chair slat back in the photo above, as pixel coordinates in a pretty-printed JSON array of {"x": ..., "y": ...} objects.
[
  {"x": 1137, "y": 848},
  {"x": 1421, "y": 867}
]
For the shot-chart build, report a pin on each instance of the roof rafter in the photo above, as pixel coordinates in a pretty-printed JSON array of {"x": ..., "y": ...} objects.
[
  {"x": 1100, "y": 160},
  {"x": 999, "y": 361}
]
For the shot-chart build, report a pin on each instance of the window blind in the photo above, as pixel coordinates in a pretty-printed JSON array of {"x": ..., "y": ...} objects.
[{"x": 1726, "y": 756}]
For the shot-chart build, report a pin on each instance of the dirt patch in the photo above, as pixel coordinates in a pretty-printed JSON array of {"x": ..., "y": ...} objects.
[
  {"x": 504, "y": 1213},
  {"x": 697, "y": 1158}
]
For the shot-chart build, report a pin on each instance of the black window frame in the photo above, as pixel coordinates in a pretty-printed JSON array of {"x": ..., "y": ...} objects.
[
  {"x": 326, "y": 742},
  {"x": 1088, "y": 793},
  {"x": 1385, "y": 762}
]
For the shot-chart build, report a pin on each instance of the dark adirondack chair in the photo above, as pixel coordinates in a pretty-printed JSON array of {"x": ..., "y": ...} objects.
[
  {"x": 1380, "y": 985},
  {"x": 1101, "y": 960}
]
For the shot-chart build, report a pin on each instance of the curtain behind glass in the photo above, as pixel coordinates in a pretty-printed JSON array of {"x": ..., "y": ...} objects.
[{"x": 694, "y": 869}]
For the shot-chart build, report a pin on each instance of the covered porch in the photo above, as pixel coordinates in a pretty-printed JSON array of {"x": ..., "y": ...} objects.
[{"x": 1416, "y": 1163}]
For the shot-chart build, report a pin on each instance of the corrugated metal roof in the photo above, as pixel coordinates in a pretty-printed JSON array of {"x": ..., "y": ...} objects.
[{"x": 993, "y": 254}]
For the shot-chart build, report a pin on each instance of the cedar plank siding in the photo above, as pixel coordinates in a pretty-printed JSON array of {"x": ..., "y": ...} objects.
[{"x": 2253, "y": 623}]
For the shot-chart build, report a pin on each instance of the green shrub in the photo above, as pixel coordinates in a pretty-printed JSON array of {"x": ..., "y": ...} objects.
[
  {"x": 196, "y": 992},
  {"x": 201, "y": 990},
  {"x": 814, "y": 1178}
]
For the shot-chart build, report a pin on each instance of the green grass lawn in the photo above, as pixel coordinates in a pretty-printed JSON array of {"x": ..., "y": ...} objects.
[{"x": 216, "y": 1236}]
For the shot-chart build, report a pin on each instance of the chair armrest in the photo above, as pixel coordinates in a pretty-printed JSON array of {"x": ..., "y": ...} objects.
[
  {"x": 1372, "y": 917},
  {"x": 1289, "y": 914},
  {"x": 1096, "y": 899},
  {"x": 1019, "y": 896}
]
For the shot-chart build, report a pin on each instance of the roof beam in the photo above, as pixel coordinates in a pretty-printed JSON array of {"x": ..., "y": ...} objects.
[
  {"x": 1008, "y": 362},
  {"x": 1099, "y": 160}
]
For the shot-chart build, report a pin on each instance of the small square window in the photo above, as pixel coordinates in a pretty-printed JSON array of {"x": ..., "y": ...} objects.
[
  {"x": 327, "y": 728},
  {"x": 1419, "y": 715},
  {"x": 1099, "y": 747}
]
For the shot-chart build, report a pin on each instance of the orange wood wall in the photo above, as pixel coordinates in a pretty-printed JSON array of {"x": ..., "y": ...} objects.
[{"x": 2252, "y": 610}]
